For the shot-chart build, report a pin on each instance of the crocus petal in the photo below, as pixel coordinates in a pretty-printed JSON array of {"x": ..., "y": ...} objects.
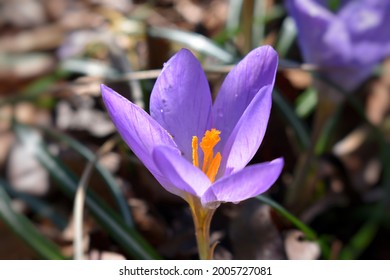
[
  {"x": 182, "y": 175},
  {"x": 181, "y": 100},
  {"x": 242, "y": 84},
  {"x": 322, "y": 37},
  {"x": 365, "y": 21},
  {"x": 248, "y": 134},
  {"x": 249, "y": 182},
  {"x": 140, "y": 132},
  {"x": 346, "y": 44}
]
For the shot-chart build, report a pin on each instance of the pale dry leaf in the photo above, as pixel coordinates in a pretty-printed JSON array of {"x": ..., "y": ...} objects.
[
  {"x": 28, "y": 113},
  {"x": 41, "y": 38},
  {"x": 24, "y": 171},
  {"x": 378, "y": 102},
  {"x": 298, "y": 78},
  {"x": 215, "y": 16},
  {"x": 297, "y": 248},
  {"x": 25, "y": 66},
  {"x": 358, "y": 154},
  {"x": 55, "y": 8},
  {"x": 372, "y": 171},
  {"x": 111, "y": 161},
  {"x": 81, "y": 19},
  {"x": 22, "y": 13},
  {"x": 189, "y": 10},
  {"x": 6, "y": 112},
  {"x": 353, "y": 141},
  {"x": 86, "y": 85},
  {"x": 123, "y": 6},
  {"x": 84, "y": 117}
]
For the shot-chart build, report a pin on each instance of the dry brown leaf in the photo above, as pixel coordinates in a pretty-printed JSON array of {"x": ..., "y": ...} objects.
[
  {"x": 25, "y": 66},
  {"x": 190, "y": 11},
  {"x": 55, "y": 8},
  {"x": 297, "y": 248},
  {"x": 22, "y": 13},
  {"x": 42, "y": 38},
  {"x": 353, "y": 141},
  {"x": 24, "y": 171},
  {"x": 378, "y": 102},
  {"x": 84, "y": 117},
  {"x": 298, "y": 78},
  {"x": 28, "y": 113},
  {"x": 111, "y": 161}
]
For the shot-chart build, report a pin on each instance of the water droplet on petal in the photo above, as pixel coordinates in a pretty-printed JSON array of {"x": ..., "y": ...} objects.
[
  {"x": 220, "y": 113},
  {"x": 162, "y": 110},
  {"x": 168, "y": 87}
]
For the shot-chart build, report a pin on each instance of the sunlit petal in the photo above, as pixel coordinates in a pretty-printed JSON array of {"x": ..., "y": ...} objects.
[
  {"x": 242, "y": 84},
  {"x": 181, "y": 100},
  {"x": 182, "y": 175},
  {"x": 140, "y": 132},
  {"x": 249, "y": 182}
]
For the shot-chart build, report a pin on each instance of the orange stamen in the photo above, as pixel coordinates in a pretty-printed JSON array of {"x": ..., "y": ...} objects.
[
  {"x": 214, "y": 166},
  {"x": 195, "y": 157},
  {"x": 210, "y": 163}
]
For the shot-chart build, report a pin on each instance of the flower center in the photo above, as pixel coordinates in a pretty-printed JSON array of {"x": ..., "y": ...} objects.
[{"x": 211, "y": 163}]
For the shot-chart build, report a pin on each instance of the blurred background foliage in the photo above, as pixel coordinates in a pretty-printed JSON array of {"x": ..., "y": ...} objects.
[{"x": 56, "y": 139}]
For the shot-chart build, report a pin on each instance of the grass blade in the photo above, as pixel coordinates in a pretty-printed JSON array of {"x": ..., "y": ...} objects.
[
  {"x": 301, "y": 131},
  {"x": 258, "y": 26},
  {"x": 360, "y": 241},
  {"x": 37, "y": 206},
  {"x": 311, "y": 234},
  {"x": 233, "y": 19},
  {"x": 287, "y": 36},
  {"x": 306, "y": 102},
  {"x": 26, "y": 230},
  {"x": 128, "y": 238},
  {"x": 106, "y": 175},
  {"x": 193, "y": 40}
]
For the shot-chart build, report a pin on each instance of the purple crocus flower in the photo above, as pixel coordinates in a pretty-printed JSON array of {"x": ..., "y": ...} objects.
[
  {"x": 197, "y": 149},
  {"x": 348, "y": 43}
]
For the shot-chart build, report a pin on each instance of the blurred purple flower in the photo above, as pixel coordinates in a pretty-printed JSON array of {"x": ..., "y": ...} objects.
[
  {"x": 181, "y": 112},
  {"x": 347, "y": 43}
]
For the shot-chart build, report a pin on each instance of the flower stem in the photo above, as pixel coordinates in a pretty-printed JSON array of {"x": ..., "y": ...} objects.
[{"x": 202, "y": 220}]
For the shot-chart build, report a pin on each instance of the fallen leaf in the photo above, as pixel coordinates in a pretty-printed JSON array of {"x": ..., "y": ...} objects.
[
  {"x": 297, "y": 248},
  {"x": 24, "y": 171}
]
